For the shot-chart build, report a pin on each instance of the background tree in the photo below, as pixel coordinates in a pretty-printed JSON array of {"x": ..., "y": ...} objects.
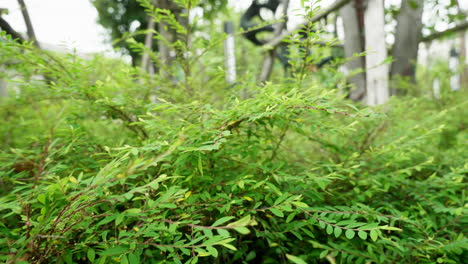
[
  {"x": 120, "y": 16},
  {"x": 353, "y": 23},
  {"x": 407, "y": 37},
  {"x": 376, "y": 69},
  {"x": 27, "y": 21}
]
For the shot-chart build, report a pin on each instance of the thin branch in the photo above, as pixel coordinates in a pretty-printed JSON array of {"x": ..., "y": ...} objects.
[
  {"x": 458, "y": 28},
  {"x": 284, "y": 23},
  {"x": 269, "y": 58},
  {"x": 330, "y": 111},
  {"x": 27, "y": 21},
  {"x": 275, "y": 151},
  {"x": 267, "y": 67},
  {"x": 5, "y": 26}
]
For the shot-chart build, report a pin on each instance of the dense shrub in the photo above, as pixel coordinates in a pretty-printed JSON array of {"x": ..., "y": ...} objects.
[{"x": 97, "y": 165}]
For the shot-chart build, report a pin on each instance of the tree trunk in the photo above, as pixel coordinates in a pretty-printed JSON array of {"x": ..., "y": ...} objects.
[
  {"x": 353, "y": 44},
  {"x": 463, "y": 54},
  {"x": 376, "y": 71},
  {"x": 145, "y": 61},
  {"x": 463, "y": 57},
  {"x": 270, "y": 55},
  {"x": 165, "y": 38},
  {"x": 164, "y": 52},
  {"x": 27, "y": 21},
  {"x": 407, "y": 37},
  {"x": 267, "y": 66}
]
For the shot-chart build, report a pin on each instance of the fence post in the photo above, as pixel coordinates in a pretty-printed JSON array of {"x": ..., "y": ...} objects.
[
  {"x": 436, "y": 88},
  {"x": 230, "y": 52},
  {"x": 454, "y": 63},
  {"x": 376, "y": 70}
]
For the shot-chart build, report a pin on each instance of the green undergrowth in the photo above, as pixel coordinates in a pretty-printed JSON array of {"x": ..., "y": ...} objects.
[{"x": 99, "y": 164}]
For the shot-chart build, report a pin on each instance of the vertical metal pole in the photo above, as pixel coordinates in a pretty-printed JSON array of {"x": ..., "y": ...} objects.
[{"x": 230, "y": 52}]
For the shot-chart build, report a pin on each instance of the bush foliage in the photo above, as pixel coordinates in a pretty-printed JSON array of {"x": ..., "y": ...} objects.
[{"x": 101, "y": 163}]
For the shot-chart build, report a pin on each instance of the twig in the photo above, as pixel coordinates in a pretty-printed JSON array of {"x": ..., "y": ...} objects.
[
  {"x": 330, "y": 111},
  {"x": 334, "y": 7},
  {"x": 283, "y": 134},
  {"x": 436, "y": 35}
]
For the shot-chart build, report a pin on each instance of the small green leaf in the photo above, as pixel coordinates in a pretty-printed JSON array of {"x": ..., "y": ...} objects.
[
  {"x": 213, "y": 252},
  {"x": 193, "y": 261},
  {"x": 41, "y": 198},
  {"x": 124, "y": 259},
  {"x": 295, "y": 259},
  {"x": 73, "y": 180},
  {"x": 337, "y": 231},
  {"x": 229, "y": 246},
  {"x": 106, "y": 220},
  {"x": 223, "y": 232},
  {"x": 374, "y": 235},
  {"x": 248, "y": 198},
  {"x": 200, "y": 165},
  {"x": 280, "y": 199},
  {"x": 132, "y": 259},
  {"x": 170, "y": 206},
  {"x": 350, "y": 234},
  {"x": 329, "y": 229},
  {"x": 243, "y": 230},
  {"x": 323, "y": 254},
  {"x": 299, "y": 204},
  {"x": 102, "y": 260},
  {"x": 322, "y": 224},
  {"x": 91, "y": 254},
  {"x": 222, "y": 220},
  {"x": 119, "y": 219},
  {"x": 369, "y": 226},
  {"x": 244, "y": 221},
  {"x": 362, "y": 234},
  {"x": 277, "y": 212},
  {"x": 128, "y": 195},
  {"x": 290, "y": 217},
  {"x": 202, "y": 253},
  {"x": 114, "y": 251},
  {"x": 390, "y": 228},
  {"x": 346, "y": 222}
]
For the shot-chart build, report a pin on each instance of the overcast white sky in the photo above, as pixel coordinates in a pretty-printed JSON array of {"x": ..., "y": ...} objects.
[
  {"x": 69, "y": 23},
  {"x": 72, "y": 23}
]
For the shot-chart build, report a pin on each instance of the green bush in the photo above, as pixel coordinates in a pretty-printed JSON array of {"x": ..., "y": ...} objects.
[{"x": 95, "y": 168}]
